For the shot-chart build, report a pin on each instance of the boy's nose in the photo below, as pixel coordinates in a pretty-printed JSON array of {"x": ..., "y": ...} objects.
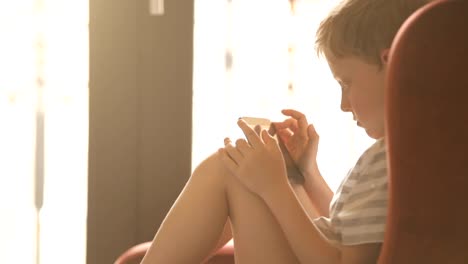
[{"x": 345, "y": 106}]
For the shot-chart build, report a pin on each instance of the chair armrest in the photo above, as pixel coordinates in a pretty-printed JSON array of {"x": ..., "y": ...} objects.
[{"x": 136, "y": 253}]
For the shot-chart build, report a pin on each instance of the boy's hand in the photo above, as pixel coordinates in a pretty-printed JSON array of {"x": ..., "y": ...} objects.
[
  {"x": 300, "y": 139},
  {"x": 258, "y": 163}
]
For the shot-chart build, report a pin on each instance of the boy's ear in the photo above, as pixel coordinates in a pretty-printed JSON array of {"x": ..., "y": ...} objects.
[{"x": 384, "y": 56}]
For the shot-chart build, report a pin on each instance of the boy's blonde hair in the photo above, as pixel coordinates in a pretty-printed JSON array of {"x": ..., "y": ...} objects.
[{"x": 363, "y": 28}]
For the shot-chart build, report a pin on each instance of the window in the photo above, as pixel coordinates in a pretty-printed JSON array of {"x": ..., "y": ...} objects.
[
  {"x": 254, "y": 58},
  {"x": 44, "y": 128}
]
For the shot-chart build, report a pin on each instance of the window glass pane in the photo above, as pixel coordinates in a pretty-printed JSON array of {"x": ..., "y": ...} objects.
[
  {"x": 255, "y": 58},
  {"x": 63, "y": 216},
  {"x": 43, "y": 124},
  {"x": 17, "y": 133}
]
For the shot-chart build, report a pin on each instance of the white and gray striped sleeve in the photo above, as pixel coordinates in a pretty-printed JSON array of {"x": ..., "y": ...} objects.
[{"x": 362, "y": 216}]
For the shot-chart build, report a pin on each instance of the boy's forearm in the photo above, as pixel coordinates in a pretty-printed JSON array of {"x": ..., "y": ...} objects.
[
  {"x": 300, "y": 232},
  {"x": 318, "y": 190}
]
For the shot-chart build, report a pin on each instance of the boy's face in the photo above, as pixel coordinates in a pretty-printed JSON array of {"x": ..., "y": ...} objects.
[{"x": 362, "y": 91}]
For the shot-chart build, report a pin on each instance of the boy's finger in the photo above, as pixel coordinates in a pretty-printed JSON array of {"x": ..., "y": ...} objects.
[
  {"x": 312, "y": 133},
  {"x": 288, "y": 123},
  {"x": 300, "y": 117},
  {"x": 272, "y": 129},
  {"x": 311, "y": 130},
  {"x": 227, "y": 161},
  {"x": 285, "y": 134},
  {"x": 250, "y": 134},
  {"x": 232, "y": 151},
  {"x": 242, "y": 146},
  {"x": 267, "y": 138},
  {"x": 258, "y": 129}
]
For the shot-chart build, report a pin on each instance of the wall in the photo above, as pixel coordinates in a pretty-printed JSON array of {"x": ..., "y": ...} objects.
[{"x": 140, "y": 120}]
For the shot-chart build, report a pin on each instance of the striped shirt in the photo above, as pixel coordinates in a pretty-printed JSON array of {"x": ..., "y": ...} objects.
[{"x": 358, "y": 210}]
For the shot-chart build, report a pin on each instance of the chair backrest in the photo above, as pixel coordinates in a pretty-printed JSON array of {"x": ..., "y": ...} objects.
[{"x": 427, "y": 137}]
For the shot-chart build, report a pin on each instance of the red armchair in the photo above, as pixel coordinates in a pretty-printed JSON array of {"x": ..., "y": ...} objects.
[
  {"x": 427, "y": 141},
  {"x": 427, "y": 137},
  {"x": 135, "y": 254}
]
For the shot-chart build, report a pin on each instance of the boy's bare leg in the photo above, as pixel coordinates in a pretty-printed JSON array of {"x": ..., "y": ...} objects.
[
  {"x": 195, "y": 223},
  {"x": 225, "y": 237},
  {"x": 193, "y": 226},
  {"x": 258, "y": 238}
]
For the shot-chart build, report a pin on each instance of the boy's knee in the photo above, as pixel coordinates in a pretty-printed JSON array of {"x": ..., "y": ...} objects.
[
  {"x": 213, "y": 171},
  {"x": 212, "y": 166}
]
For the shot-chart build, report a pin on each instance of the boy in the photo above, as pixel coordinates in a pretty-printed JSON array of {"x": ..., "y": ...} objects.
[{"x": 245, "y": 185}]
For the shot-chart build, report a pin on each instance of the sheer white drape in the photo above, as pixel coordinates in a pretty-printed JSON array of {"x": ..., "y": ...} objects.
[
  {"x": 44, "y": 44},
  {"x": 258, "y": 34}
]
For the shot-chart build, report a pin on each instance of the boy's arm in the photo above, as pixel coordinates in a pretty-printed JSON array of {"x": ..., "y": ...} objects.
[
  {"x": 304, "y": 238},
  {"x": 360, "y": 254},
  {"x": 301, "y": 141},
  {"x": 318, "y": 191}
]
